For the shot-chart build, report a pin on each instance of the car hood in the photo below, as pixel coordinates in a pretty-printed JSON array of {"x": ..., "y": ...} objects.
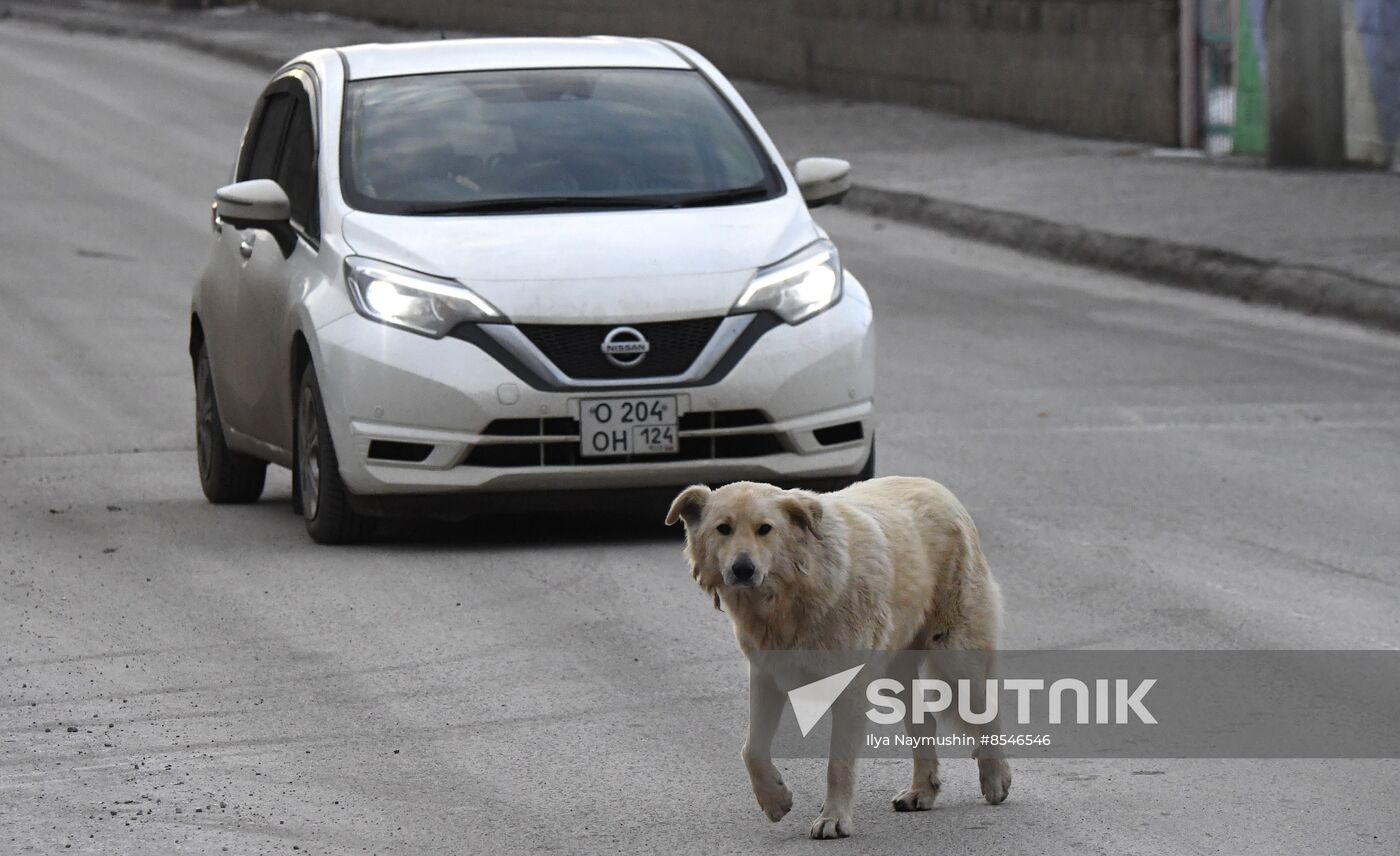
[{"x": 598, "y": 267}]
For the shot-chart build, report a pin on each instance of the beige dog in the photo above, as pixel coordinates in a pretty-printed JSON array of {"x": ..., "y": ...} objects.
[{"x": 891, "y": 564}]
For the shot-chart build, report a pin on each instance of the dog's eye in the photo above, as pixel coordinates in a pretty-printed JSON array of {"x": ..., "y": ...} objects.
[
  {"x": 765, "y": 529},
  {"x": 724, "y": 529}
]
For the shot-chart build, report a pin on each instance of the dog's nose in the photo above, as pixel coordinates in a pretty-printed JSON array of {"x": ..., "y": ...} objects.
[{"x": 743, "y": 569}]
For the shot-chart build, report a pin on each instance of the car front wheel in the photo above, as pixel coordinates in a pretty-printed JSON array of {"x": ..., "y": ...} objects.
[
  {"x": 866, "y": 473},
  {"x": 324, "y": 499},
  {"x": 227, "y": 477}
]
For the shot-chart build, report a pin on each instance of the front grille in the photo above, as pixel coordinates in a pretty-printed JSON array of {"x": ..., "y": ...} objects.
[
  {"x": 531, "y": 427},
  {"x": 577, "y": 349},
  {"x": 564, "y": 453}
]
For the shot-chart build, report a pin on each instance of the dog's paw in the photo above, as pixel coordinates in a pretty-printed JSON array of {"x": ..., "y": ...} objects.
[
  {"x": 996, "y": 779},
  {"x": 831, "y": 827},
  {"x": 775, "y": 799},
  {"x": 915, "y": 799}
]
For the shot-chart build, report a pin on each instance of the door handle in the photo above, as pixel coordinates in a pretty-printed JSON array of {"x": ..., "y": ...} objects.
[{"x": 245, "y": 245}]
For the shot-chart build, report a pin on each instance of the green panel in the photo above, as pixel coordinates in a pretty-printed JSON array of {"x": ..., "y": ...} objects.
[{"x": 1251, "y": 107}]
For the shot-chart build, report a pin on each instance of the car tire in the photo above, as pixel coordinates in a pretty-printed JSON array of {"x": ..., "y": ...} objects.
[
  {"x": 835, "y": 484},
  {"x": 227, "y": 477},
  {"x": 323, "y": 497},
  {"x": 867, "y": 471}
]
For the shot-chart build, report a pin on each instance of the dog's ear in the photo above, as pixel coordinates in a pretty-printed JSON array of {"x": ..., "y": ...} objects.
[
  {"x": 688, "y": 505},
  {"x": 804, "y": 510}
]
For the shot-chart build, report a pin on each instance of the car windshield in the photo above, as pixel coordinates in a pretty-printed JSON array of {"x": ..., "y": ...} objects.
[{"x": 547, "y": 140}]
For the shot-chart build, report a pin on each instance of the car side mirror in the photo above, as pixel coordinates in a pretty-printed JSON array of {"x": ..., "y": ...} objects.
[
  {"x": 258, "y": 204},
  {"x": 823, "y": 181}
]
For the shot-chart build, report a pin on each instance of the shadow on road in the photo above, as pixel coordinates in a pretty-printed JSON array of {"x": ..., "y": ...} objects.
[
  {"x": 626, "y": 523},
  {"x": 544, "y": 529}
]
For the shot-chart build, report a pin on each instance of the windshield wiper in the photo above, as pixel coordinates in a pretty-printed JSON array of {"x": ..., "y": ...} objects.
[
  {"x": 541, "y": 203},
  {"x": 720, "y": 197},
  {"x": 591, "y": 203}
]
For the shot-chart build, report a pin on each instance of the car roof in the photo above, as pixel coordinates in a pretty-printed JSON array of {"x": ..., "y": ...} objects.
[{"x": 379, "y": 60}]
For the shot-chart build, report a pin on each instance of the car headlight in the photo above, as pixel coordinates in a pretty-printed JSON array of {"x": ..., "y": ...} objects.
[
  {"x": 414, "y": 301},
  {"x": 797, "y": 287}
]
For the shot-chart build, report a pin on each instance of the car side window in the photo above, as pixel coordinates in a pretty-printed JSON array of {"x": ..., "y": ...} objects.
[
  {"x": 265, "y": 140},
  {"x": 296, "y": 169}
]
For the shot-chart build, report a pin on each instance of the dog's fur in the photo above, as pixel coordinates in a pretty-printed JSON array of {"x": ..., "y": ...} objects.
[{"x": 891, "y": 564}]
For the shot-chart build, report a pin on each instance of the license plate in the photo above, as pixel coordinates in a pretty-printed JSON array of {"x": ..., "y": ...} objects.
[{"x": 640, "y": 425}]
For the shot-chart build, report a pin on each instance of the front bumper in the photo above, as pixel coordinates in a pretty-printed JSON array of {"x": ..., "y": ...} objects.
[{"x": 383, "y": 385}]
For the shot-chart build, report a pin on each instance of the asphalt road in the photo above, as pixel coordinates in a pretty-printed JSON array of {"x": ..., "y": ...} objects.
[{"x": 1149, "y": 469}]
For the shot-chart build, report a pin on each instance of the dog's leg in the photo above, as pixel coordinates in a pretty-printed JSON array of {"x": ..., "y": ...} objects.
[
  {"x": 994, "y": 773},
  {"x": 846, "y": 733},
  {"x": 765, "y": 710},
  {"x": 977, "y": 667},
  {"x": 919, "y": 796},
  {"x": 992, "y": 769}
]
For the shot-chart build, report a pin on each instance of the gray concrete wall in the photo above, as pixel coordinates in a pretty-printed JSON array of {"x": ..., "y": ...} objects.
[
  {"x": 1104, "y": 68},
  {"x": 1371, "y": 56}
]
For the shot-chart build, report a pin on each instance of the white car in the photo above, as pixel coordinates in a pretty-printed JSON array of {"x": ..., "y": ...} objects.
[{"x": 454, "y": 275}]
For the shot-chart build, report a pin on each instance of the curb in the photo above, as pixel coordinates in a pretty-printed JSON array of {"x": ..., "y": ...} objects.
[
  {"x": 1312, "y": 290},
  {"x": 81, "y": 22}
]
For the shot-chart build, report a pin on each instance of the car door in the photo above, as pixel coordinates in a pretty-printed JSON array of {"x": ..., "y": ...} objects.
[{"x": 269, "y": 280}]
